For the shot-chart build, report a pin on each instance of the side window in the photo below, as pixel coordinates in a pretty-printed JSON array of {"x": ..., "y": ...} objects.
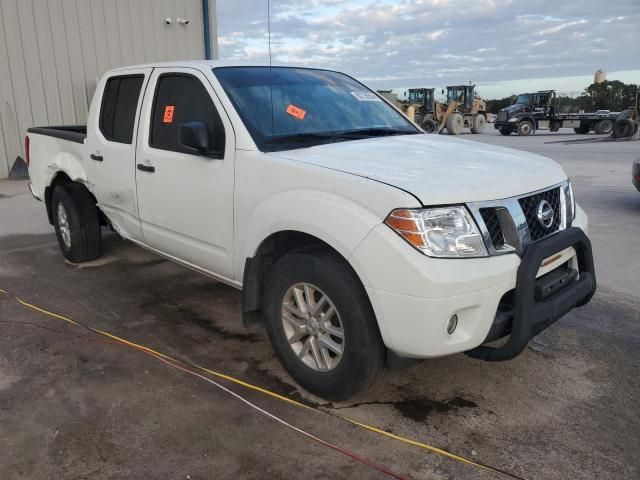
[
  {"x": 119, "y": 103},
  {"x": 179, "y": 99}
]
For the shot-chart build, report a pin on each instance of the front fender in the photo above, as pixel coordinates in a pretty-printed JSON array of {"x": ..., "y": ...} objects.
[{"x": 337, "y": 221}]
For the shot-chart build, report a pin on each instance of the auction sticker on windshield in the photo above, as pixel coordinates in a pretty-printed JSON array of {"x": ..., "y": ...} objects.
[
  {"x": 366, "y": 96},
  {"x": 296, "y": 112}
]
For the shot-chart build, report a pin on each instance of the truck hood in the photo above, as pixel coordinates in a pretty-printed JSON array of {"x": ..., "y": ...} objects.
[
  {"x": 513, "y": 109},
  {"x": 435, "y": 168}
]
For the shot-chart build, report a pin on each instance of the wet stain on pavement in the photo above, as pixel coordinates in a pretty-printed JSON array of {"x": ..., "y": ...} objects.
[
  {"x": 418, "y": 409},
  {"x": 194, "y": 317}
]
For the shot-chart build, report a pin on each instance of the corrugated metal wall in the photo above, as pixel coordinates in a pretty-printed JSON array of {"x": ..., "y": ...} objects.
[{"x": 52, "y": 52}]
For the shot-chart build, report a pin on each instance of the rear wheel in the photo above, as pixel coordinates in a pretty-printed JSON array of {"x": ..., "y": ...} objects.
[
  {"x": 623, "y": 128},
  {"x": 77, "y": 223},
  {"x": 455, "y": 123},
  {"x": 321, "y": 324},
  {"x": 505, "y": 131},
  {"x": 479, "y": 123},
  {"x": 582, "y": 129},
  {"x": 526, "y": 128}
]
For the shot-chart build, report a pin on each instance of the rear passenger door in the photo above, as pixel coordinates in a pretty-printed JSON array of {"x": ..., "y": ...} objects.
[
  {"x": 111, "y": 145},
  {"x": 185, "y": 197}
]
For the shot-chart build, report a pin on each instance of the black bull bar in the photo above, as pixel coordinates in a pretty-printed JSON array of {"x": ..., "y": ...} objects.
[{"x": 531, "y": 315}]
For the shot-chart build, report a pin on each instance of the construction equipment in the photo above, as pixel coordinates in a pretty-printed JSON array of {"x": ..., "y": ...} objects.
[
  {"x": 628, "y": 122},
  {"x": 419, "y": 105},
  {"x": 462, "y": 109}
]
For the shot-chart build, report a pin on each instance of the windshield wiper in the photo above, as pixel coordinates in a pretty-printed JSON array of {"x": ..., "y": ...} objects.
[
  {"x": 301, "y": 137},
  {"x": 376, "y": 132},
  {"x": 331, "y": 137}
]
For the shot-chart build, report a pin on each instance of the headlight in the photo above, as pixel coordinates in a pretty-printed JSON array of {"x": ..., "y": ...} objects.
[
  {"x": 570, "y": 202},
  {"x": 439, "y": 232},
  {"x": 513, "y": 119}
]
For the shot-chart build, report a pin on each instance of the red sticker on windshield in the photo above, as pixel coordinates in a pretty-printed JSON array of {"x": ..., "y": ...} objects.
[
  {"x": 296, "y": 112},
  {"x": 168, "y": 114}
]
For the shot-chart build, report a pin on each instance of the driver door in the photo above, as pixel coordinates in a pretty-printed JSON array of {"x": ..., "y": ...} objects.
[{"x": 185, "y": 197}]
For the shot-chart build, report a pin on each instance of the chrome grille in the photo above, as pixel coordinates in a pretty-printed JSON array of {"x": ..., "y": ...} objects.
[
  {"x": 502, "y": 116},
  {"x": 510, "y": 224},
  {"x": 529, "y": 206},
  {"x": 491, "y": 220}
]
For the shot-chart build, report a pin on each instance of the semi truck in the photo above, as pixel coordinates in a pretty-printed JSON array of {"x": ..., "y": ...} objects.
[
  {"x": 358, "y": 241},
  {"x": 539, "y": 111}
]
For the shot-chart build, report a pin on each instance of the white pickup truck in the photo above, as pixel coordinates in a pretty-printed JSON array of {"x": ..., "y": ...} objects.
[{"x": 357, "y": 240}]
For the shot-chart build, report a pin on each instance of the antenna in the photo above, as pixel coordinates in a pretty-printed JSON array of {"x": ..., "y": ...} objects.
[
  {"x": 273, "y": 127},
  {"x": 269, "y": 28}
]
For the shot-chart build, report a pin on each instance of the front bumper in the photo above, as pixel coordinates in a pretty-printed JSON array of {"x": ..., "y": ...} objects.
[
  {"x": 534, "y": 310},
  {"x": 635, "y": 174},
  {"x": 413, "y": 296}
]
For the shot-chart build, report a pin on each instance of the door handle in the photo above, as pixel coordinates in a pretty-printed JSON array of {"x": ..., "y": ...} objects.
[
  {"x": 97, "y": 158},
  {"x": 146, "y": 168}
]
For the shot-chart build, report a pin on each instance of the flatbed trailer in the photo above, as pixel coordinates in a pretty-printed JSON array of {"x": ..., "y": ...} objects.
[{"x": 539, "y": 111}]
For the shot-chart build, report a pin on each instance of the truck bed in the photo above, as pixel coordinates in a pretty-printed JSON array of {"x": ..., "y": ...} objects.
[{"x": 72, "y": 133}]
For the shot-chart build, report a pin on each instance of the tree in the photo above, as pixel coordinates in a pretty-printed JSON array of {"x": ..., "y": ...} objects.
[{"x": 612, "y": 95}]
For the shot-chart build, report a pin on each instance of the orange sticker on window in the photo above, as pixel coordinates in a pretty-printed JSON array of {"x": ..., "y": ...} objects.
[
  {"x": 168, "y": 114},
  {"x": 296, "y": 112}
]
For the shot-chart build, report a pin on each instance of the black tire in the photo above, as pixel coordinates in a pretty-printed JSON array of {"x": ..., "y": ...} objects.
[
  {"x": 605, "y": 126},
  {"x": 582, "y": 129},
  {"x": 455, "y": 123},
  {"x": 505, "y": 131},
  {"x": 526, "y": 128},
  {"x": 623, "y": 128},
  {"x": 362, "y": 359},
  {"x": 429, "y": 125},
  {"x": 597, "y": 128},
  {"x": 83, "y": 221},
  {"x": 479, "y": 122}
]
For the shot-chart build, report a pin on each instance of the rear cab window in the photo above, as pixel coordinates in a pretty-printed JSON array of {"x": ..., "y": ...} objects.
[
  {"x": 182, "y": 98},
  {"x": 118, "y": 110}
]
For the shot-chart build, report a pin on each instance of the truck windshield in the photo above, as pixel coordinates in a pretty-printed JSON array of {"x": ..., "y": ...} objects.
[
  {"x": 524, "y": 99},
  {"x": 285, "y": 108}
]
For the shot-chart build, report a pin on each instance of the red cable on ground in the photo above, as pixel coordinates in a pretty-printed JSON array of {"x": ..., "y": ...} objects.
[{"x": 264, "y": 412}]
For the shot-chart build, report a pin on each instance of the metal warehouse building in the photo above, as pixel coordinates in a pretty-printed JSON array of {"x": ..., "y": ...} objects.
[{"x": 52, "y": 53}]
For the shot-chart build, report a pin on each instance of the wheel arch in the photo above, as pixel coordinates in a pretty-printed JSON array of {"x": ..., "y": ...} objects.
[
  {"x": 270, "y": 250},
  {"x": 257, "y": 267},
  {"x": 61, "y": 178}
]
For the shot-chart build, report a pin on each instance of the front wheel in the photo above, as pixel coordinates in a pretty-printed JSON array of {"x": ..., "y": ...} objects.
[
  {"x": 321, "y": 324},
  {"x": 429, "y": 125},
  {"x": 455, "y": 123},
  {"x": 526, "y": 128},
  {"x": 505, "y": 131}
]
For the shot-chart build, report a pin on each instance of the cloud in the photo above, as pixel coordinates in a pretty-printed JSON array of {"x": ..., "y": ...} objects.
[
  {"x": 425, "y": 42},
  {"x": 562, "y": 26}
]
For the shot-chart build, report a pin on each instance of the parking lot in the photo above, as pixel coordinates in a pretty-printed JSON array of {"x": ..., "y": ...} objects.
[{"x": 71, "y": 408}]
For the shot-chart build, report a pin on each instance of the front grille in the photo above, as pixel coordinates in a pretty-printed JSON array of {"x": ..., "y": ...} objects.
[
  {"x": 492, "y": 222},
  {"x": 529, "y": 207},
  {"x": 502, "y": 116}
]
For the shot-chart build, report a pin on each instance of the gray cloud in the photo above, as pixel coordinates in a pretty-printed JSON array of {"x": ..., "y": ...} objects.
[{"x": 432, "y": 42}]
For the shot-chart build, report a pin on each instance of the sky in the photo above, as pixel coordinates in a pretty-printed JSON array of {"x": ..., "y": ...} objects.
[{"x": 503, "y": 46}]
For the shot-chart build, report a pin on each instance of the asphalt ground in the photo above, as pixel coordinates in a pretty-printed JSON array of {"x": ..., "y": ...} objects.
[{"x": 74, "y": 408}]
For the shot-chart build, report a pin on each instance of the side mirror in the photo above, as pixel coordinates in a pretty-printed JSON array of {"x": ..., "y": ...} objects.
[{"x": 195, "y": 136}]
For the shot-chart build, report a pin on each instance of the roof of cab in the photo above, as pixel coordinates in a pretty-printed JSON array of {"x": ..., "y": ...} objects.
[{"x": 199, "y": 64}]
